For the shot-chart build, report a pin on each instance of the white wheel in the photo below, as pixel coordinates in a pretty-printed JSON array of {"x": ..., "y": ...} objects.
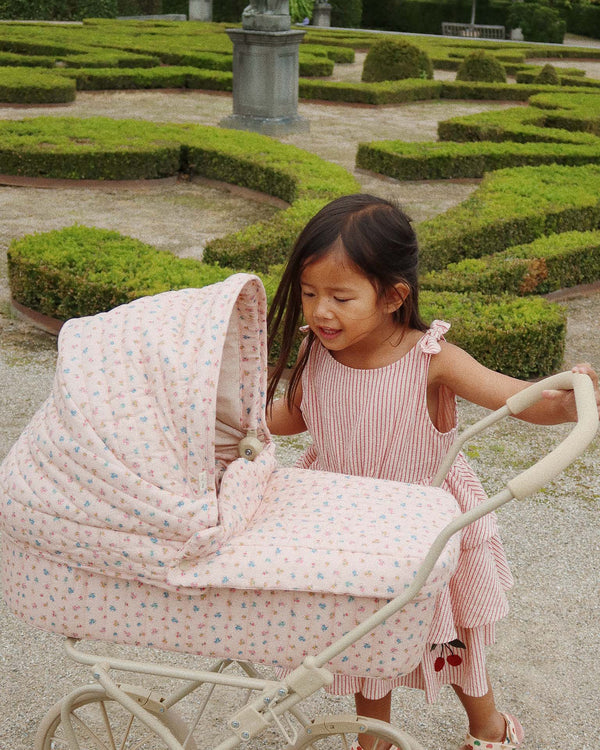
[
  {"x": 340, "y": 733},
  {"x": 100, "y": 723}
]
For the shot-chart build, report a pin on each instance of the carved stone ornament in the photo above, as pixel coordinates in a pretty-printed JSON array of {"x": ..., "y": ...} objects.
[{"x": 267, "y": 15}]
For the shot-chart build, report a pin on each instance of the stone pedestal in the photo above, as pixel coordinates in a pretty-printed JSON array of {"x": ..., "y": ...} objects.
[
  {"x": 265, "y": 82},
  {"x": 321, "y": 14},
  {"x": 200, "y": 10}
]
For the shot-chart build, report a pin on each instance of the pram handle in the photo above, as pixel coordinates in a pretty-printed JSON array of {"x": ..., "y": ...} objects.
[{"x": 547, "y": 468}]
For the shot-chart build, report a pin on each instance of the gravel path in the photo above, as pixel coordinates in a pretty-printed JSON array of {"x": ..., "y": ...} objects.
[{"x": 545, "y": 666}]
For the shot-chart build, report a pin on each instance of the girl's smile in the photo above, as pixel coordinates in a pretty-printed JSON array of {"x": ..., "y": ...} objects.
[{"x": 328, "y": 333}]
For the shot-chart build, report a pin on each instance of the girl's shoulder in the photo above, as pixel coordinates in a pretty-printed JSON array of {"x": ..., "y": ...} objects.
[{"x": 456, "y": 369}]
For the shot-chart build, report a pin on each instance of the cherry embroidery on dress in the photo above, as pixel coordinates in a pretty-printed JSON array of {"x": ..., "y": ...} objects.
[{"x": 453, "y": 658}]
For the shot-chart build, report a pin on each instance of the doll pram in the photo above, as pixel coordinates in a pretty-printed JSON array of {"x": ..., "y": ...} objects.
[{"x": 143, "y": 506}]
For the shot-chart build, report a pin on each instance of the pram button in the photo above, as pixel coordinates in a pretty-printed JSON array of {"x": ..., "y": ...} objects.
[{"x": 249, "y": 447}]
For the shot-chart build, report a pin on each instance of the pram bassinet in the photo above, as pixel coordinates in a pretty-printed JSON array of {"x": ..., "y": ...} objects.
[{"x": 129, "y": 515}]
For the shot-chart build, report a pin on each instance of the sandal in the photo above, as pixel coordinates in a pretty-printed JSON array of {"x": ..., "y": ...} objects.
[{"x": 514, "y": 736}]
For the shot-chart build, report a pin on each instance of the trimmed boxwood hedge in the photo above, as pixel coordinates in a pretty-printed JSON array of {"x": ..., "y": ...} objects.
[
  {"x": 513, "y": 207},
  {"x": 522, "y": 337},
  {"x": 522, "y": 124},
  {"x": 517, "y": 92},
  {"x": 444, "y": 160},
  {"x": 81, "y": 271},
  {"x": 23, "y": 85},
  {"x": 169, "y": 77},
  {"x": 545, "y": 265},
  {"x": 340, "y": 55},
  {"x": 104, "y": 58},
  {"x": 178, "y": 43},
  {"x": 395, "y": 59},
  {"x": 94, "y": 148},
  {"x": 11, "y": 59},
  {"x": 481, "y": 66},
  {"x": 206, "y": 48},
  {"x": 564, "y": 76},
  {"x": 385, "y": 92}
]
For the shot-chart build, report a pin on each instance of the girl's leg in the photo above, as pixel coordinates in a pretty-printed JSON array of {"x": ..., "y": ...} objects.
[
  {"x": 485, "y": 721},
  {"x": 380, "y": 708}
]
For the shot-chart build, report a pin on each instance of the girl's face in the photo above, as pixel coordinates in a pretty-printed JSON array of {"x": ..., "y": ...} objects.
[{"x": 344, "y": 311}]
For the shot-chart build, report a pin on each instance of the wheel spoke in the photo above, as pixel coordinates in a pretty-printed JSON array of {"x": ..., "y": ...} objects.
[
  {"x": 107, "y": 725},
  {"x": 126, "y": 733},
  {"x": 100, "y": 723},
  {"x": 87, "y": 731}
]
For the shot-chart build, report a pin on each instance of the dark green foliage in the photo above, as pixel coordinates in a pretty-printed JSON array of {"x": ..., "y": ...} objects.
[
  {"x": 427, "y": 16},
  {"x": 228, "y": 10},
  {"x": 549, "y": 263},
  {"x": 579, "y": 82},
  {"x": 90, "y": 49},
  {"x": 57, "y": 10},
  {"x": 168, "y": 77},
  {"x": 395, "y": 59},
  {"x": 82, "y": 271},
  {"x": 109, "y": 59},
  {"x": 385, "y": 92},
  {"x": 445, "y": 160},
  {"x": 346, "y": 14},
  {"x": 94, "y": 148},
  {"x": 513, "y": 207},
  {"x": 181, "y": 7},
  {"x": 314, "y": 65},
  {"x": 538, "y": 21},
  {"x": 516, "y": 92},
  {"x": 537, "y": 123},
  {"x": 139, "y": 7},
  {"x": 548, "y": 75},
  {"x": 481, "y": 66},
  {"x": 301, "y": 9},
  {"x": 522, "y": 337},
  {"x": 583, "y": 18},
  {"x": 22, "y": 61},
  {"x": 34, "y": 86}
]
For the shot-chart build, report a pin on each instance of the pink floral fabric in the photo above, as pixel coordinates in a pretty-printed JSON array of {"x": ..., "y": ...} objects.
[
  {"x": 117, "y": 470},
  {"x": 127, "y": 515}
]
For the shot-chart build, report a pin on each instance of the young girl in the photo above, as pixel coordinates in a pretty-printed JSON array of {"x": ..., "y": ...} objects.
[{"x": 376, "y": 389}]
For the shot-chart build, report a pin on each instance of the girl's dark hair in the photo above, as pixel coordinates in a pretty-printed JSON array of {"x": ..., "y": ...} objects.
[{"x": 378, "y": 239}]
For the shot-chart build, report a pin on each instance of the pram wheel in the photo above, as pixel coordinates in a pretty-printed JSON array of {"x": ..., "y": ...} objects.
[
  {"x": 339, "y": 732},
  {"x": 88, "y": 719}
]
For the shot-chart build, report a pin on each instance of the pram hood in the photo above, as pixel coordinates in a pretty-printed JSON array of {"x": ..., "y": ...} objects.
[
  {"x": 118, "y": 471},
  {"x": 128, "y": 515}
]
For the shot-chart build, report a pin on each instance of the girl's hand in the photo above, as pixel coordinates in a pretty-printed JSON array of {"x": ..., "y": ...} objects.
[{"x": 565, "y": 400}]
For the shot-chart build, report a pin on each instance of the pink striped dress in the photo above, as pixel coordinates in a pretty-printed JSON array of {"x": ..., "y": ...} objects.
[{"x": 376, "y": 423}]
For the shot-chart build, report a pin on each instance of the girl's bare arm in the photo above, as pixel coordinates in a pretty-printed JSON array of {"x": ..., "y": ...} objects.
[
  {"x": 283, "y": 420},
  {"x": 469, "y": 379}
]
